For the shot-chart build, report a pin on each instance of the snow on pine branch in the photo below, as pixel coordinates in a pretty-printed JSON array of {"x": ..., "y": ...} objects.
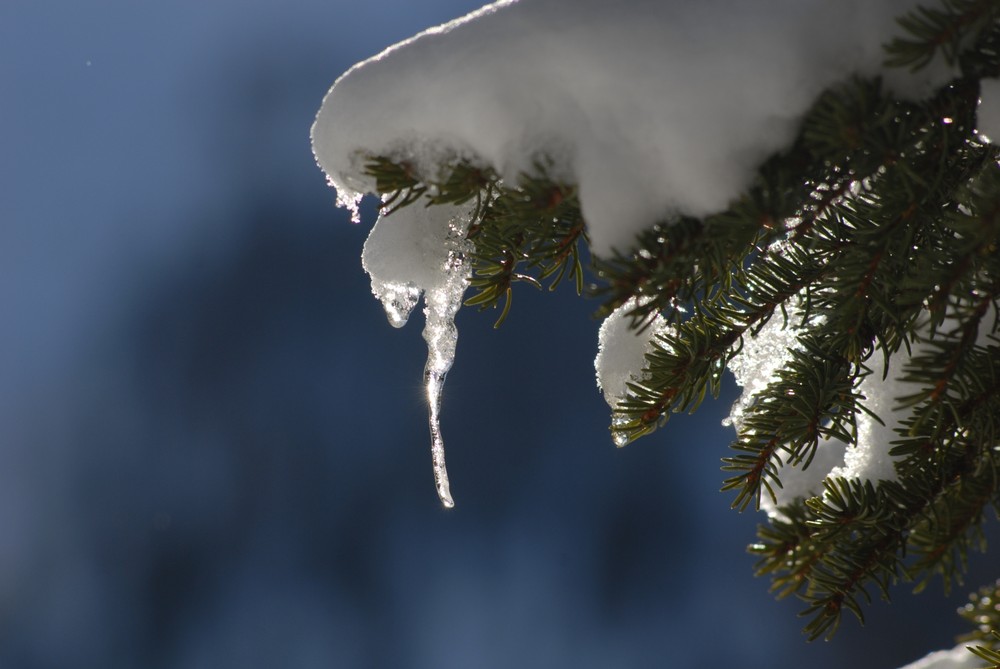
[{"x": 652, "y": 109}]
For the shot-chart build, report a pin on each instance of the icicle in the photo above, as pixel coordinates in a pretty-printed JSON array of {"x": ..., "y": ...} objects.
[
  {"x": 441, "y": 335},
  {"x": 423, "y": 250}
]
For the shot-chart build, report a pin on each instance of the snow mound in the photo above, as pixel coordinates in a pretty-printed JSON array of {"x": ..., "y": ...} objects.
[{"x": 649, "y": 106}]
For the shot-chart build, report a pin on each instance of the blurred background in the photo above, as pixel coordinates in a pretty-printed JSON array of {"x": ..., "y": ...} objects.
[{"x": 213, "y": 447}]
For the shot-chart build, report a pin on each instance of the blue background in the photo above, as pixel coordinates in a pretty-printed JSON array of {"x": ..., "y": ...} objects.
[{"x": 213, "y": 448}]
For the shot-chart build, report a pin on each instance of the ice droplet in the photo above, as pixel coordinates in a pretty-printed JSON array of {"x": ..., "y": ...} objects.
[
  {"x": 398, "y": 300},
  {"x": 619, "y": 438}
]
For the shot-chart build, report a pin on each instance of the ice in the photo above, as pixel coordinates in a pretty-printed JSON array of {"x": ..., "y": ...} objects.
[
  {"x": 416, "y": 251},
  {"x": 351, "y": 201},
  {"x": 441, "y": 336}
]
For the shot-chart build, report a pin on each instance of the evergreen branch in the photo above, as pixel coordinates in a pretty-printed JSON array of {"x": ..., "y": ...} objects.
[
  {"x": 882, "y": 219},
  {"x": 855, "y": 534},
  {"x": 942, "y": 424},
  {"x": 535, "y": 224},
  {"x": 853, "y": 224},
  {"x": 786, "y": 552},
  {"x": 398, "y": 182},
  {"x": 974, "y": 233},
  {"x": 861, "y": 535},
  {"x": 940, "y": 544},
  {"x": 842, "y": 584},
  {"x": 686, "y": 364},
  {"x": 658, "y": 276}
]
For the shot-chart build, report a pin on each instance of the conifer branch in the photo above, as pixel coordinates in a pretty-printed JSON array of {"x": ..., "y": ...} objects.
[{"x": 879, "y": 228}]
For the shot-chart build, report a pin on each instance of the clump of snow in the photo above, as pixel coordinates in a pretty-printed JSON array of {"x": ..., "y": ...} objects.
[
  {"x": 755, "y": 367},
  {"x": 800, "y": 482},
  {"x": 423, "y": 251},
  {"x": 761, "y": 356},
  {"x": 988, "y": 114},
  {"x": 869, "y": 459},
  {"x": 405, "y": 254},
  {"x": 621, "y": 354},
  {"x": 649, "y": 107}
]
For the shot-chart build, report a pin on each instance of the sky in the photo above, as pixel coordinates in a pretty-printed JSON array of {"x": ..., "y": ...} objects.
[{"x": 213, "y": 448}]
